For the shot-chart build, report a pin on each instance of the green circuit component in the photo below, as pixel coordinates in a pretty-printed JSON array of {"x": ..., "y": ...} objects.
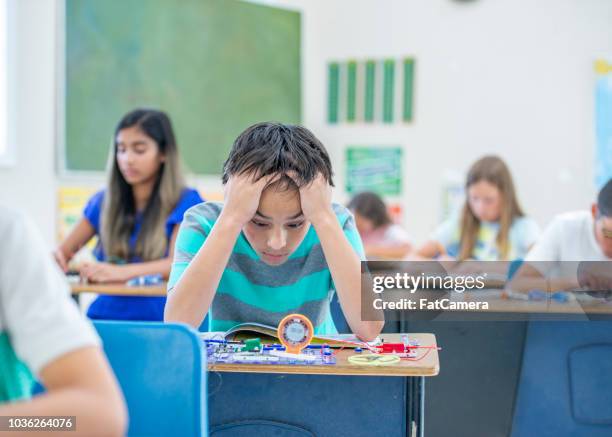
[{"x": 252, "y": 345}]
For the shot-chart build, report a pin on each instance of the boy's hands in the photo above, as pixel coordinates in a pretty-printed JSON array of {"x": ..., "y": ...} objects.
[
  {"x": 316, "y": 200},
  {"x": 242, "y": 196}
]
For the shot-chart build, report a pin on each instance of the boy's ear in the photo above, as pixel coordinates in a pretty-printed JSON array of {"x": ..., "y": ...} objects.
[{"x": 594, "y": 210}]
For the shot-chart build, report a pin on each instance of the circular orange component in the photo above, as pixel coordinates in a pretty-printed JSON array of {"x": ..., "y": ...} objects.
[{"x": 295, "y": 332}]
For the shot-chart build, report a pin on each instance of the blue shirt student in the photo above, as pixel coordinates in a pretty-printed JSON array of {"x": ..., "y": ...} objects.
[{"x": 128, "y": 307}]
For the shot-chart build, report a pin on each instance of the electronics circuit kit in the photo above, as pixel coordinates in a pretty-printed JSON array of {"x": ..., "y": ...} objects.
[{"x": 295, "y": 334}]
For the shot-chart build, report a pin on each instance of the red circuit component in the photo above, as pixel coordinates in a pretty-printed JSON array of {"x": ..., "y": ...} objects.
[{"x": 389, "y": 348}]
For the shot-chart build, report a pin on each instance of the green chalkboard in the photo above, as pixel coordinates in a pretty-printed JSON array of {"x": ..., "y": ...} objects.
[{"x": 216, "y": 66}]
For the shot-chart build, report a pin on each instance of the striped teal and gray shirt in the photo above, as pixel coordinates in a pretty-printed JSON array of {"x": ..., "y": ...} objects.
[{"x": 253, "y": 291}]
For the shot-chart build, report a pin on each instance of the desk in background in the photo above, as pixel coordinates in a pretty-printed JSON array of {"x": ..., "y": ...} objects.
[
  {"x": 485, "y": 351},
  {"x": 118, "y": 289},
  {"x": 343, "y": 399}
]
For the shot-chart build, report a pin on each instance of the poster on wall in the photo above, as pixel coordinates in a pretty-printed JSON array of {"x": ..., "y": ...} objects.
[
  {"x": 373, "y": 168},
  {"x": 70, "y": 203},
  {"x": 371, "y": 91},
  {"x": 603, "y": 122}
]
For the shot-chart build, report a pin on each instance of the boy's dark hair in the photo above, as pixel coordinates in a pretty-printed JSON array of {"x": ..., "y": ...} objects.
[
  {"x": 371, "y": 206},
  {"x": 604, "y": 200},
  {"x": 275, "y": 148}
]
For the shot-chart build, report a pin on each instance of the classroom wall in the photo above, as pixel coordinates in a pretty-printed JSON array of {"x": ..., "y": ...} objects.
[
  {"x": 512, "y": 77},
  {"x": 30, "y": 184}
]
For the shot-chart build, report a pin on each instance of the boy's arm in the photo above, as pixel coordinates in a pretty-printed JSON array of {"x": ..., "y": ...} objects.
[
  {"x": 535, "y": 273},
  {"x": 534, "y": 276},
  {"x": 344, "y": 264},
  {"x": 190, "y": 299}
]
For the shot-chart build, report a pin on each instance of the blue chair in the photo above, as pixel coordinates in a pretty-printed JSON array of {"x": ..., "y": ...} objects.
[
  {"x": 162, "y": 371},
  {"x": 513, "y": 267},
  {"x": 340, "y": 322},
  {"x": 565, "y": 387}
]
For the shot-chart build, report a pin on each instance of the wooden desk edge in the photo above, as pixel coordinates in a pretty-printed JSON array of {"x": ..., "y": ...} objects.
[
  {"x": 429, "y": 367},
  {"x": 119, "y": 289},
  {"x": 324, "y": 370}
]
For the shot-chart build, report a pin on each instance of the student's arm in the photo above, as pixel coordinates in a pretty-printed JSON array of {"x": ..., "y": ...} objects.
[
  {"x": 79, "y": 383},
  {"x": 534, "y": 273},
  {"x": 431, "y": 249},
  {"x": 396, "y": 251},
  {"x": 77, "y": 238},
  {"x": 106, "y": 272},
  {"x": 50, "y": 336},
  {"x": 529, "y": 277},
  {"x": 443, "y": 236},
  {"x": 189, "y": 300},
  {"x": 528, "y": 232},
  {"x": 344, "y": 264}
]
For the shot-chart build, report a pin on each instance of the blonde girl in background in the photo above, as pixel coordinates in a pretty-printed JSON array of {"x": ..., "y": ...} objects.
[{"x": 491, "y": 226}]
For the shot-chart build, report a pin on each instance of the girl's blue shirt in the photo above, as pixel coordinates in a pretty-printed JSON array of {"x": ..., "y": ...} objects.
[{"x": 127, "y": 307}]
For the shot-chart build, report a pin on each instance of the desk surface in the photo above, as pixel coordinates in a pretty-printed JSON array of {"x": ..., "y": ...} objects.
[
  {"x": 573, "y": 306},
  {"x": 119, "y": 289},
  {"x": 426, "y": 364},
  {"x": 498, "y": 303}
]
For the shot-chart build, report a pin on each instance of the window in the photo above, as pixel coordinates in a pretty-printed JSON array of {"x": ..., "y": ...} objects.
[{"x": 7, "y": 156}]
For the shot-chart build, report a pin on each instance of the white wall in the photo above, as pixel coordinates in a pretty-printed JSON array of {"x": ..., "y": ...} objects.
[
  {"x": 512, "y": 77},
  {"x": 30, "y": 184}
]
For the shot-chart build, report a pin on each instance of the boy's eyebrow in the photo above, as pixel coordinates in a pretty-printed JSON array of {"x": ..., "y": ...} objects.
[{"x": 299, "y": 214}]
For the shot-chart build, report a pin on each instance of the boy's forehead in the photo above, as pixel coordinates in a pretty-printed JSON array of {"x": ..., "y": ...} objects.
[
  {"x": 280, "y": 204},
  {"x": 606, "y": 222}
]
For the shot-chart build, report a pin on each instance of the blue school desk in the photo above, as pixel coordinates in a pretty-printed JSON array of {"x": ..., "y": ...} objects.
[
  {"x": 336, "y": 400},
  {"x": 527, "y": 368}
]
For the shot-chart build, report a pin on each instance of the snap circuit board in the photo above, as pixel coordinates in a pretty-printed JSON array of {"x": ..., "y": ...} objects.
[{"x": 234, "y": 353}]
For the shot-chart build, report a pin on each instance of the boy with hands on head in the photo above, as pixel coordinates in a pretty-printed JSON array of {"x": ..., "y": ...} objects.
[{"x": 276, "y": 246}]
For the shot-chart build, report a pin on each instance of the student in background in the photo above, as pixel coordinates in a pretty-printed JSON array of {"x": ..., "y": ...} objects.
[
  {"x": 276, "y": 246},
  {"x": 381, "y": 237},
  {"x": 136, "y": 217},
  {"x": 42, "y": 334},
  {"x": 574, "y": 251},
  {"x": 492, "y": 225}
]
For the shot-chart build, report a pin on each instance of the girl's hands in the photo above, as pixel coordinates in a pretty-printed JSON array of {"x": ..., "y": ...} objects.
[
  {"x": 61, "y": 260},
  {"x": 103, "y": 272}
]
